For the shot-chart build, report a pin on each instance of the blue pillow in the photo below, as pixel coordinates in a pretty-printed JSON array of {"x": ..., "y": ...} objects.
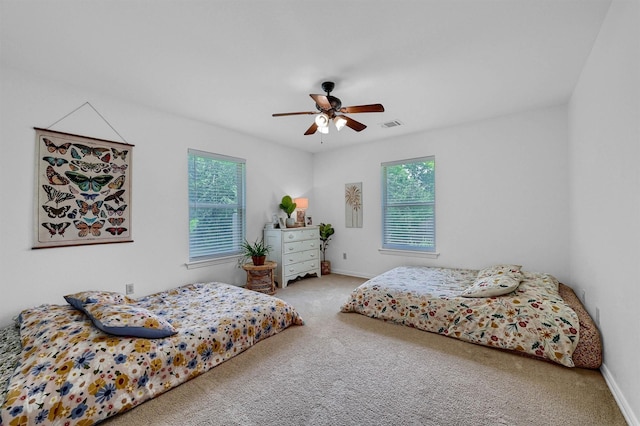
[{"x": 128, "y": 320}]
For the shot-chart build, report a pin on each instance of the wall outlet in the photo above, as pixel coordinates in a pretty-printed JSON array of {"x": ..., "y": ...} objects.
[
  {"x": 597, "y": 316},
  {"x": 129, "y": 288},
  {"x": 344, "y": 256},
  {"x": 583, "y": 295}
]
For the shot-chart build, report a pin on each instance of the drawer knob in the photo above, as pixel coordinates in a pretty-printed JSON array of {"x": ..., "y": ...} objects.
[{"x": 291, "y": 236}]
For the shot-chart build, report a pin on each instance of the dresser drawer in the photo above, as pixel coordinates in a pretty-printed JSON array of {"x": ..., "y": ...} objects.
[
  {"x": 300, "y": 256},
  {"x": 310, "y": 266},
  {"x": 299, "y": 235},
  {"x": 300, "y": 246}
]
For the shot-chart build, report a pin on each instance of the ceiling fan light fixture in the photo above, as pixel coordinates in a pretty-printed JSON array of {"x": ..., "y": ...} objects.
[
  {"x": 322, "y": 120},
  {"x": 340, "y": 122},
  {"x": 324, "y": 130}
]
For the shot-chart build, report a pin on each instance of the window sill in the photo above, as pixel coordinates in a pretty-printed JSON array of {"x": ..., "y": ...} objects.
[
  {"x": 211, "y": 262},
  {"x": 409, "y": 253}
]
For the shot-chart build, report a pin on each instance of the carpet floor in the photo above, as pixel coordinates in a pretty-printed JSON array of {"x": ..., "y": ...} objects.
[{"x": 347, "y": 369}]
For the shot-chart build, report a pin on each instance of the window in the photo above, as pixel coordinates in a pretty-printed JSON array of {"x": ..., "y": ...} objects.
[
  {"x": 216, "y": 205},
  {"x": 408, "y": 205}
]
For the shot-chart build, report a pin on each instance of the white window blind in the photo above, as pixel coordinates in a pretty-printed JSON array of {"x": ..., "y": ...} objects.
[
  {"x": 408, "y": 205},
  {"x": 216, "y": 205}
]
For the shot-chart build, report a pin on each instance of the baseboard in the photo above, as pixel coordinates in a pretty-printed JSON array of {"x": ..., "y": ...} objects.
[
  {"x": 627, "y": 412},
  {"x": 351, "y": 273}
]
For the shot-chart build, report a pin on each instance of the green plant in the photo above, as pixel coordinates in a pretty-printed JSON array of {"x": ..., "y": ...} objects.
[
  {"x": 255, "y": 249},
  {"x": 287, "y": 205},
  {"x": 326, "y": 231}
]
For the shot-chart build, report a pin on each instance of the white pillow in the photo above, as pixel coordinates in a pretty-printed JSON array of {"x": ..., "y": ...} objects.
[
  {"x": 496, "y": 285},
  {"x": 504, "y": 269}
]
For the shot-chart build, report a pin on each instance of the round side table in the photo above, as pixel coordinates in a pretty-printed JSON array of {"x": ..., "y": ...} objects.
[{"x": 260, "y": 278}]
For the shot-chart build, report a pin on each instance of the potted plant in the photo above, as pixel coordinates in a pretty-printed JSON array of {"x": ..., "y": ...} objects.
[
  {"x": 326, "y": 231},
  {"x": 257, "y": 251},
  {"x": 288, "y": 206}
]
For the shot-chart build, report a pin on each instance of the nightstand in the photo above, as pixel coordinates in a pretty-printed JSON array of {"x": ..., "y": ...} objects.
[{"x": 260, "y": 278}]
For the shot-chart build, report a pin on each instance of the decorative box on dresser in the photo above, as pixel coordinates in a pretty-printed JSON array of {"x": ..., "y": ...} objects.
[{"x": 295, "y": 250}]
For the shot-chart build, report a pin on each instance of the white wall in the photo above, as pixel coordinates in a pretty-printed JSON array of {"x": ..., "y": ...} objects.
[
  {"x": 155, "y": 260},
  {"x": 604, "y": 148},
  {"x": 501, "y": 195}
]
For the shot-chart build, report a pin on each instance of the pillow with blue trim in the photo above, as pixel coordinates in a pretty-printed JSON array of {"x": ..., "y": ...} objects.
[
  {"x": 128, "y": 320},
  {"x": 78, "y": 300}
]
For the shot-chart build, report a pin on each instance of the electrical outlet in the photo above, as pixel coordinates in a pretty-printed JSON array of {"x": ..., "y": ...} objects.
[
  {"x": 597, "y": 316},
  {"x": 583, "y": 295},
  {"x": 129, "y": 288},
  {"x": 344, "y": 256}
]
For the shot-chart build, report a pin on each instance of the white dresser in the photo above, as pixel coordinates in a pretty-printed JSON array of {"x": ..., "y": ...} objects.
[{"x": 295, "y": 250}]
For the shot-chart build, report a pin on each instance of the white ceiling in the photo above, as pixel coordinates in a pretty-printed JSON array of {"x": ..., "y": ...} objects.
[{"x": 234, "y": 63}]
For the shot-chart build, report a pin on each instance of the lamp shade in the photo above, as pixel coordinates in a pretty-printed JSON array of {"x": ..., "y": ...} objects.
[
  {"x": 302, "y": 203},
  {"x": 339, "y": 122},
  {"x": 322, "y": 120}
]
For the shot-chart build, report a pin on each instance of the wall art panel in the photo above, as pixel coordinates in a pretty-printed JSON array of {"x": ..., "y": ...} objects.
[{"x": 83, "y": 190}]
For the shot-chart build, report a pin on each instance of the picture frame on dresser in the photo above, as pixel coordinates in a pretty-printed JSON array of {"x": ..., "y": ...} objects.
[{"x": 296, "y": 252}]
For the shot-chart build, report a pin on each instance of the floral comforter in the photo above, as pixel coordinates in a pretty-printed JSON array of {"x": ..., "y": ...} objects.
[
  {"x": 70, "y": 372},
  {"x": 533, "y": 319}
]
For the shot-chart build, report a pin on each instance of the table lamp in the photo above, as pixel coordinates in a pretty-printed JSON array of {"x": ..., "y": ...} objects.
[{"x": 301, "y": 204}]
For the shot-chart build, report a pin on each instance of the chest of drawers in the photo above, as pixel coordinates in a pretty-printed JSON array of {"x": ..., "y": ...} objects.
[{"x": 296, "y": 252}]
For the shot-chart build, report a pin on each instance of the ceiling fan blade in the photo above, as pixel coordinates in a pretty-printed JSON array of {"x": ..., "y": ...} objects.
[
  {"x": 322, "y": 101},
  {"x": 311, "y": 130},
  {"x": 282, "y": 114},
  {"x": 355, "y": 125},
  {"x": 362, "y": 108}
]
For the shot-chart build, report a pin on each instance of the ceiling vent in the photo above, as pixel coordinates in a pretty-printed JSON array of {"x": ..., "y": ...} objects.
[{"x": 388, "y": 124}]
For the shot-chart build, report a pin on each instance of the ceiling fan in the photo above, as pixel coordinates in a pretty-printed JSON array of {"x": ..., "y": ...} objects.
[{"x": 329, "y": 107}]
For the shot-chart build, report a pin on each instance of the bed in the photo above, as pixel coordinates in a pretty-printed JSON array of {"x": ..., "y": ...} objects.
[
  {"x": 79, "y": 363},
  {"x": 501, "y": 307}
]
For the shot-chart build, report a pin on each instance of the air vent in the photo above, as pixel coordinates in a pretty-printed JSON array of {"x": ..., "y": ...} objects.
[{"x": 394, "y": 123}]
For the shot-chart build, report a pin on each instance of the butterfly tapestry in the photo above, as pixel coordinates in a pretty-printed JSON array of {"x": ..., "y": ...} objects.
[{"x": 81, "y": 182}]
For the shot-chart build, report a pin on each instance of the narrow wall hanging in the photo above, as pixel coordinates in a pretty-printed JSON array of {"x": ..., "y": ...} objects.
[
  {"x": 83, "y": 190},
  {"x": 353, "y": 205}
]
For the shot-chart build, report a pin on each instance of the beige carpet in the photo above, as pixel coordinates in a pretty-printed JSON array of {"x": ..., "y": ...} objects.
[{"x": 347, "y": 369}]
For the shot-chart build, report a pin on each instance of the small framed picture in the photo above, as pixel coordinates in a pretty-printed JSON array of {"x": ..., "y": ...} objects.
[
  {"x": 309, "y": 221},
  {"x": 282, "y": 225}
]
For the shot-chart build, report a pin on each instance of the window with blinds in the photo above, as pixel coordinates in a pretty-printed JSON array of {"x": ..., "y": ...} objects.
[
  {"x": 216, "y": 205},
  {"x": 408, "y": 205}
]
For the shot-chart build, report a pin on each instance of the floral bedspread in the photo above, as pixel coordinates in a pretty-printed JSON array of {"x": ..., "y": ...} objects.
[
  {"x": 70, "y": 372},
  {"x": 532, "y": 319}
]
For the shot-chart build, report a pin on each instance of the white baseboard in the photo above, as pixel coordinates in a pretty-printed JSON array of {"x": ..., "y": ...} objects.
[
  {"x": 351, "y": 273},
  {"x": 627, "y": 412}
]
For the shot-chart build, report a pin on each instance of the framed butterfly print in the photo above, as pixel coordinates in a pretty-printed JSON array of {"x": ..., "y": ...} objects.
[{"x": 83, "y": 190}]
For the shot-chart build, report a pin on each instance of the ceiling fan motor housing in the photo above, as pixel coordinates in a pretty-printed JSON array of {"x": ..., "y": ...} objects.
[{"x": 335, "y": 103}]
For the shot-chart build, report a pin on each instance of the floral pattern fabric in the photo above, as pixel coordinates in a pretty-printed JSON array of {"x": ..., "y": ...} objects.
[
  {"x": 128, "y": 320},
  {"x": 534, "y": 319},
  {"x": 70, "y": 372},
  {"x": 9, "y": 355}
]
